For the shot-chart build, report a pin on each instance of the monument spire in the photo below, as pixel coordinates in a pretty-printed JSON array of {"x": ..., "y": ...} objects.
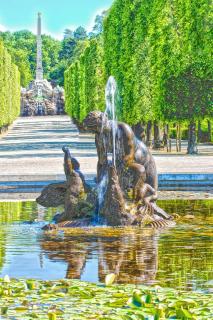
[
  {"x": 39, "y": 68},
  {"x": 40, "y": 97}
]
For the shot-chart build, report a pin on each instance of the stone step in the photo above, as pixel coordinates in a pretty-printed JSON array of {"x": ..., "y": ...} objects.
[
  {"x": 186, "y": 181},
  {"x": 181, "y": 182},
  {"x": 186, "y": 188},
  {"x": 185, "y": 177}
]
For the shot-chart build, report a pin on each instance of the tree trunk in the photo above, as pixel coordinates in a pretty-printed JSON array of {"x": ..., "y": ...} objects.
[
  {"x": 157, "y": 142},
  {"x": 149, "y": 134},
  {"x": 192, "y": 141},
  {"x": 166, "y": 137},
  {"x": 209, "y": 131},
  {"x": 170, "y": 145},
  {"x": 169, "y": 149},
  {"x": 179, "y": 137},
  {"x": 199, "y": 132},
  {"x": 143, "y": 132}
]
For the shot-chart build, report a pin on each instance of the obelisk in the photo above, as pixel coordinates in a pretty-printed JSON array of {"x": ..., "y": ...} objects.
[{"x": 39, "y": 68}]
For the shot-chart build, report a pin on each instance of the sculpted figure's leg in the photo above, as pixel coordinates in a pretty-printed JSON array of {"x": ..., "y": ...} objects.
[
  {"x": 139, "y": 179},
  {"x": 143, "y": 193}
]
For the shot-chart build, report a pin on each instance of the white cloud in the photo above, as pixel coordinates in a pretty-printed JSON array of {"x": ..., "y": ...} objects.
[
  {"x": 55, "y": 35},
  {"x": 3, "y": 28}
]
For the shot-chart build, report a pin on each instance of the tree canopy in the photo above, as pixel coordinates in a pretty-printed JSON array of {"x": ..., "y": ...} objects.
[
  {"x": 9, "y": 88},
  {"x": 57, "y": 55},
  {"x": 22, "y": 47},
  {"x": 160, "y": 54},
  {"x": 84, "y": 82}
]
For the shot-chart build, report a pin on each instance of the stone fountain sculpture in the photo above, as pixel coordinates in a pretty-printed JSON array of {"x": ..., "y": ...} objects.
[
  {"x": 41, "y": 97},
  {"x": 127, "y": 181}
]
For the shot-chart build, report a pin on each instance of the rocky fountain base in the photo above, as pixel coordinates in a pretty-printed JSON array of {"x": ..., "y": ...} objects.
[
  {"x": 126, "y": 191},
  {"x": 127, "y": 181}
]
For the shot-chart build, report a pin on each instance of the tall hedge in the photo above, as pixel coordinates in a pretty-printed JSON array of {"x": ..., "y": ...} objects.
[
  {"x": 159, "y": 51},
  {"x": 85, "y": 81},
  {"x": 153, "y": 43},
  {"x": 9, "y": 88}
]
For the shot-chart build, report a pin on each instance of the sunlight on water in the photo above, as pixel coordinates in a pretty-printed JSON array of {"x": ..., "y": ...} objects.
[{"x": 180, "y": 257}]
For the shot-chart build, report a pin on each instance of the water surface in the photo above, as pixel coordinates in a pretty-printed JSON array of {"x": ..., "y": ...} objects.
[{"x": 180, "y": 257}]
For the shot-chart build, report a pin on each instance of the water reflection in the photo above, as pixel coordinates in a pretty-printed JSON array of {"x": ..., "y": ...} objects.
[
  {"x": 132, "y": 256},
  {"x": 180, "y": 257}
]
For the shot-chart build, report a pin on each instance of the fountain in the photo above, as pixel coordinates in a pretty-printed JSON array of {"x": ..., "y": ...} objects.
[
  {"x": 110, "y": 94},
  {"x": 127, "y": 182}
]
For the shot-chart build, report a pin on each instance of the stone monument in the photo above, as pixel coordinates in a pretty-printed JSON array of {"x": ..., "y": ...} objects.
[{"x": 40, "y": 97}]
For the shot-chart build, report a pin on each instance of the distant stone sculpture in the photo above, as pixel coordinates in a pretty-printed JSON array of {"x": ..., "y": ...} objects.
[{"x": 41, "y": 97}]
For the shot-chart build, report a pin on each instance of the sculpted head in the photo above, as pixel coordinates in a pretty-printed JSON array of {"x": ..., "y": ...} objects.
[{"x": 95, "y": 121}]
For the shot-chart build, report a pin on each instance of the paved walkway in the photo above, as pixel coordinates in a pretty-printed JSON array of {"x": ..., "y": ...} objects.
[{"x": 32, "y": 149}]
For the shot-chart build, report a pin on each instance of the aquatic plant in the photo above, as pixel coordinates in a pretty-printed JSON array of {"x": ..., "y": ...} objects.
[{"x": 71, "y": 299}]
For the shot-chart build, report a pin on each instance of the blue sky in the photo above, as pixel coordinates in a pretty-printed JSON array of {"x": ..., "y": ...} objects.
[{"x": 57, "y": 14}]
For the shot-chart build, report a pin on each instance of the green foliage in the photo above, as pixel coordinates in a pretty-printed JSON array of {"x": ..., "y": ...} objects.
[
  {"x": 50, "y": 54},
  {"x": 57, "y": 55},
  {"x": 9, "y": 88},
  {"x": 160, "y": 54},
  {"x": 20, "y": 59},
  {"x": 22, "y": 47},
  {"x": 57, "y": 73},
  {"x": 84, "y": 82},
  {"x": 147, "y": 44},
  {"x": 72, "y": 299},
  {"x": 80, "y": 33},
  {"x": 188, "y": 96},
  {"x": 67, "y": 48},
  {"x": 71, "y": 49},
  {"x": 98, "y": 26},
  {"x": 68, "y": 33}
]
